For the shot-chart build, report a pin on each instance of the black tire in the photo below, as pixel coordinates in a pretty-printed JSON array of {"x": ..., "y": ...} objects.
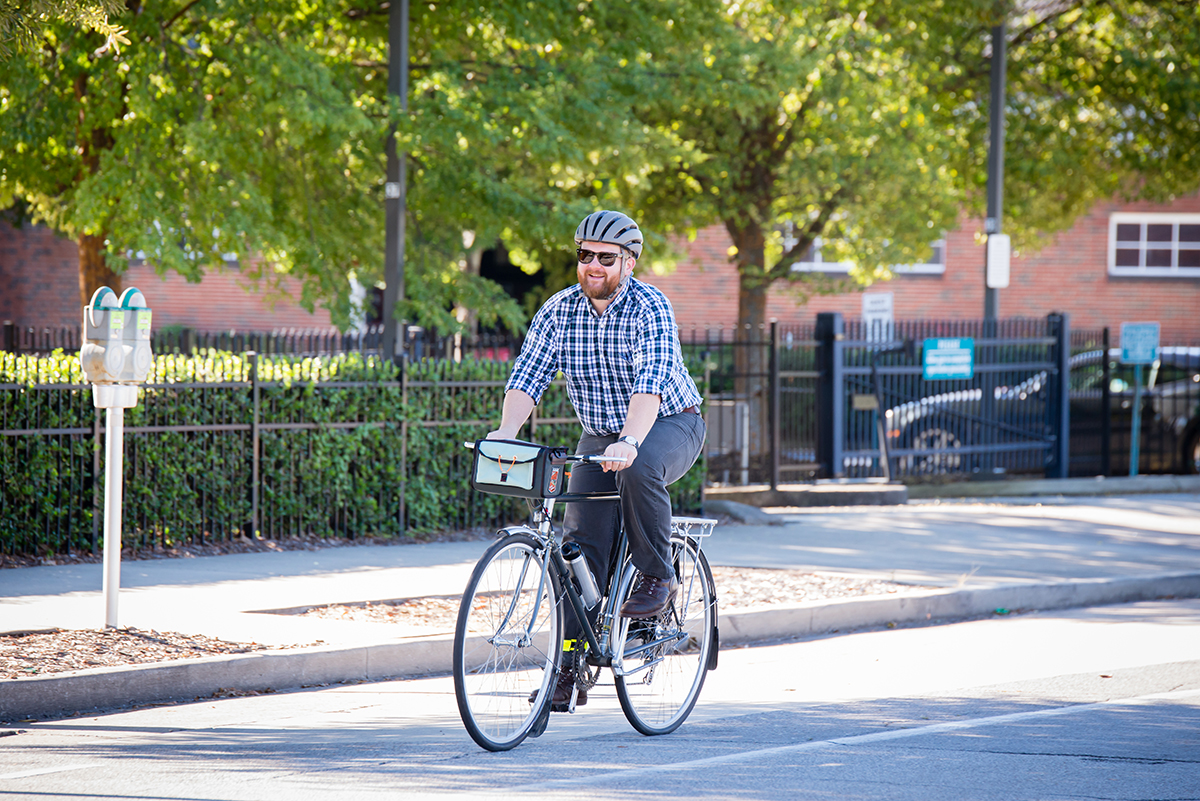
[
  {"x": 658, "y": 685},
  {"x": 504, "y": 667},
  {"x": 942, "y": 441},
  {"x": 1191, "y": 451}
]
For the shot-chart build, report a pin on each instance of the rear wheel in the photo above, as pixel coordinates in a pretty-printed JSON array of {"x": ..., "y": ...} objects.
[
  {"x": 665, "y": 659},
  {"x": 505, "y": 643},
  {"x": 942, "y": 443}
]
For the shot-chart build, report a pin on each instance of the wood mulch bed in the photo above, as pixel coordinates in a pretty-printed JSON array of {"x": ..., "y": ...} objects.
[{"x": 24, "y": 655}]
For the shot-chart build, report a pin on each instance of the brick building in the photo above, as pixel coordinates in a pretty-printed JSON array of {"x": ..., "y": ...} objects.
[
  {"x": 39, "y": 286},
  {"x": 1119, "y": 263}
]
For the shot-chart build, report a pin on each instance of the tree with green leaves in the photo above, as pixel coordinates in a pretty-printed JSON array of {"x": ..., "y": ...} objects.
[
  {"x": 864, "y": 124},
  {"x": 222, "y": 128},
  {"x": 510, "y": 133},
  {"x": 252, "y": 128}
]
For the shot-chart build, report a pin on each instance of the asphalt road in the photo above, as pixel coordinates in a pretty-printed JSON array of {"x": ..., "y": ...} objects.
[{"x": 1092, "y": 703}]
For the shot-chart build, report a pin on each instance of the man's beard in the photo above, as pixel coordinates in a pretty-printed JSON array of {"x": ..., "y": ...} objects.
[{"x": 598, "y": 291}]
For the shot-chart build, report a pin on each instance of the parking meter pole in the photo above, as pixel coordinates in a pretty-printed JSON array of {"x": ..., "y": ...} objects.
[
  {"x": 1135, "y": 434},
  {"x": 115, "y": 356},
  {"x": 114, "y": 434}
]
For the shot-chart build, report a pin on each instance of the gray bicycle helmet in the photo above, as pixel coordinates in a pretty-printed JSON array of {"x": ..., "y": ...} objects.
[{"x": 612, "y": 227}]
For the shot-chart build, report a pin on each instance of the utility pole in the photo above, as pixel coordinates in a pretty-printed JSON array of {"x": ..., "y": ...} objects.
[
  {"x": 997, "y": 264},
  {"x": 395, "y": 189},
  {"x": 996, "y": 271}
]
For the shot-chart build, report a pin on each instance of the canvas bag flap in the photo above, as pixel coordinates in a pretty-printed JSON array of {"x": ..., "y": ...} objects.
[{"x": 506, "y": 462}]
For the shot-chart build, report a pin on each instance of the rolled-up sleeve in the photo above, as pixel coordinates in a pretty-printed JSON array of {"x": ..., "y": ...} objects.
[{"x": 538, "y": 362}]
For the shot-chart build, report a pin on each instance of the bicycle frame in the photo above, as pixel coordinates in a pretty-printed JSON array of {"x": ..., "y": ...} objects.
[{"x": 598, "y": 644}]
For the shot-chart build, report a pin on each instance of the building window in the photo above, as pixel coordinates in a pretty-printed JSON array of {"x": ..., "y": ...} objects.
[
  {"x": 935, "y": 266},
  {"x": 814, "y": 261},
  {"x": 1154, "y": 245}
]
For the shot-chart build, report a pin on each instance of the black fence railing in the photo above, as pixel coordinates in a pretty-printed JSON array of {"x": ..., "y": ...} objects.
[
  {"x": 783, "y": 404},
  {"x": 232, "y": 446}
]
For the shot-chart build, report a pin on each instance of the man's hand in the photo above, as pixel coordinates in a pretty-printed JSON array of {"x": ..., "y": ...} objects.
[{"x": 619, "y": 449}]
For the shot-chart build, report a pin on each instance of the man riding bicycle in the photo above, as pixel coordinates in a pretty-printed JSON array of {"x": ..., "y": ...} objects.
[{"x": 615, "y": 340}]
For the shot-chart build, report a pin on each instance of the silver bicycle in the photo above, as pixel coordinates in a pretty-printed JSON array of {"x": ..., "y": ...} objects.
[{"x": 507, "y": 642}]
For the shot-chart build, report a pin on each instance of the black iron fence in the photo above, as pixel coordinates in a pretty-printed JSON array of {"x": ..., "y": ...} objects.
[
  {"x": 902, "y": 420},
  {"x": 334, "y": 450},
  {"x": 1102, "y": 392}
]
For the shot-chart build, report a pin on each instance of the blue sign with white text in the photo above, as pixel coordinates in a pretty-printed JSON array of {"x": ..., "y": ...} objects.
[
  {"x": 1139, "y": 343},
  {"x": 944, "y": 359}
]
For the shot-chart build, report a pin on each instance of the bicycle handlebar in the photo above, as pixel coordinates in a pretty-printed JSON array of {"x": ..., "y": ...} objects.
[{"x": 579, "y": 457}]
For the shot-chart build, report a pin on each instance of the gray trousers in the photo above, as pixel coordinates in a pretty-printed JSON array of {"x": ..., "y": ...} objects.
[{"x": 670, "y": 449}]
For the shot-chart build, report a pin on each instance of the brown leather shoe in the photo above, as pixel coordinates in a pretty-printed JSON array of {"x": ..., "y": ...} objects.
[
  {"x": 650, "y": 596},
  {"x": 561, "y": 700}
]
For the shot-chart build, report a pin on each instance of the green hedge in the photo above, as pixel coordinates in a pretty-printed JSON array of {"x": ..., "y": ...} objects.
[{"x": 389, "y": 460}]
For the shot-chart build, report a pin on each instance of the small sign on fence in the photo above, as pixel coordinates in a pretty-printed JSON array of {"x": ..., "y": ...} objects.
[
  {"x": 877, "y": 315},
  {"x": 945, "y": 359},
  {"x": 1139, "y": 343}
]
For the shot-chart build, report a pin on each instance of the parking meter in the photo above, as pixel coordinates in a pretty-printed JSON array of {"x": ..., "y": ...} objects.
[
  {"x": 103, "y": 354},
  {"x": 116, "y": 357},
  {"x": 135, "y": 337}
]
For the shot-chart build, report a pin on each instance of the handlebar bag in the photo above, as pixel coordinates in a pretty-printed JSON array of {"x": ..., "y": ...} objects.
[{"x": 513, "y": 467}]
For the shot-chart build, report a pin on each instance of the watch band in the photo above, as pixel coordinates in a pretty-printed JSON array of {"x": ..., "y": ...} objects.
[{"x": 628, "y": 440}]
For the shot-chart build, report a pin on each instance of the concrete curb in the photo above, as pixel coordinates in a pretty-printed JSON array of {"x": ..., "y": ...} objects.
[
  {"x": 829, "y": 493},
  {"x": 92, "y": 691},
  {"x": 1097, "y": 485},
  {"x": 743, "y": 513}
]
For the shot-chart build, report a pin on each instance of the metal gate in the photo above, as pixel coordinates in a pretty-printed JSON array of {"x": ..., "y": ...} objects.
[{"x": 887, "y": 418}]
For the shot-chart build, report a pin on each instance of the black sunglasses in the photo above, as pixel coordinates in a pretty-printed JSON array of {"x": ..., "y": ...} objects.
[{"x": 606, "y": 259}]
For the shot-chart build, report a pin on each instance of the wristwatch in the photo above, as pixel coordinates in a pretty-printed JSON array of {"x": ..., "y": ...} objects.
[{"x": 628, "y": 440}]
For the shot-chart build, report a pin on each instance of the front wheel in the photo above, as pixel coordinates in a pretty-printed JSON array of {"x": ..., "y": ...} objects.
[
  {"x": 505, "y": 643},
  {"x": 665, "y": 659}
]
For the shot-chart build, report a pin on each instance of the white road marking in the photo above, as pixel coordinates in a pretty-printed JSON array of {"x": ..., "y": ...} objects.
[
  {"x": 44, "y": 771},
  {"x": 861, "y": 739}
]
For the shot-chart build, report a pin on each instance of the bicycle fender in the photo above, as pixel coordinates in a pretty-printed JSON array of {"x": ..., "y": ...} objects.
[{"x": 522, "y": 529}]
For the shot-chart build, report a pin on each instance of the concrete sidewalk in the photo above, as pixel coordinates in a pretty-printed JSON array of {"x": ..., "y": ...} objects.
[{"x": 974, "y": 556}]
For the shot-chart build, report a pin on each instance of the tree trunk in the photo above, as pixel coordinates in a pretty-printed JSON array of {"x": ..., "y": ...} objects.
[
  {"x": 93, "y": 271},
  {"x": 752, "y": 341}
]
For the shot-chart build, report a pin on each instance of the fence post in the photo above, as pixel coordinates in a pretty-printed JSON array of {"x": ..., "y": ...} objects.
[
  {"x": 1106, "y": 410},
  {"x": 773, "y": 402},
  {"x": 10, "y": 336},
  {"x": 1060, "y": 415},
  {"x": 403, "y": 362},
  {"x": 255, "y": 455},
  {"x": 831, "y": 413}
]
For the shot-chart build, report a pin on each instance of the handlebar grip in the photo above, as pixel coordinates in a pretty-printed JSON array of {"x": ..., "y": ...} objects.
[{"x": 600, "y": 457}]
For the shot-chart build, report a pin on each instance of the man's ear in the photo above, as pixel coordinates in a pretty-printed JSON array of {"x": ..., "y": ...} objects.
[{"x": 630, "y": 263}]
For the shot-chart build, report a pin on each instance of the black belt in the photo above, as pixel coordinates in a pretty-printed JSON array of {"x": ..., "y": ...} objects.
[{"x": 692, "y": 409}]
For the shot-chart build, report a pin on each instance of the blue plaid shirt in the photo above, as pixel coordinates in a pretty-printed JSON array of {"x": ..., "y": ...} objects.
[{"x": 607, "y": 358}]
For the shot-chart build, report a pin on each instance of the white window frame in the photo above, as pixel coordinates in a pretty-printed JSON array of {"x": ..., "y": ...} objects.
[
  {"x": 1175, "y": 246},
  {"x": 819, "y": 265},
  {"x": 928, "y": 268}
]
